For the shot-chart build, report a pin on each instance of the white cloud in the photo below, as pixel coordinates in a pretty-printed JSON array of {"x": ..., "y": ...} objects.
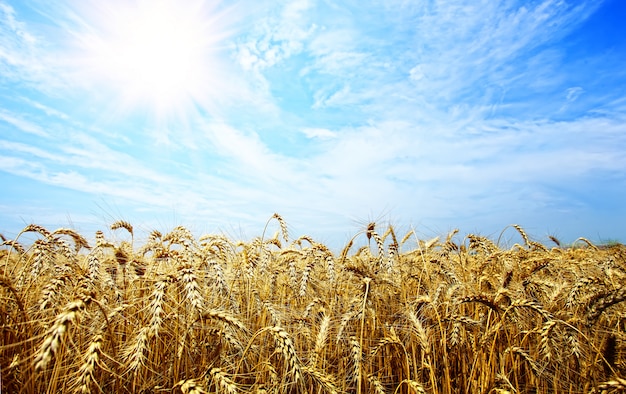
[
  {"x": 456, "y": 48},
  {"x": 22, "y": 55},
  {"x": 320, "y": 133},
  {"x": 46, "y": 109},
  {"x": 571, "y": 94},
  {"x": 277, "y": 38},
  {"x": 22, "y": 124}
]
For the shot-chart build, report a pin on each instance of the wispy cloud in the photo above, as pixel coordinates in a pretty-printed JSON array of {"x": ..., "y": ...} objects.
[
  {"x": 319, "y": 133},
  {"x": 16, "y": 45},
  {"x": 22, "y": 124}
]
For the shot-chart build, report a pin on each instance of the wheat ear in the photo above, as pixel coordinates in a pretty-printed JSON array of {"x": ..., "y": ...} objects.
[
  {"x": 222, "y": 382},
  {"x": 321, "y": 339},
  {"x": 56, "y": 333},
  {"x": 190, "y": 386},
  {"x": 86, "y": 371},
  {"x": 285, "y": 345}
]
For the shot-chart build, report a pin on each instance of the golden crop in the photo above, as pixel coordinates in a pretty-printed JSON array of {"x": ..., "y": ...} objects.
[{"x": 275, "y": 315}]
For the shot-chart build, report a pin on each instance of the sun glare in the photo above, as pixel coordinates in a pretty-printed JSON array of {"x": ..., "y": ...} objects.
[{"x": 153, "y": 53}]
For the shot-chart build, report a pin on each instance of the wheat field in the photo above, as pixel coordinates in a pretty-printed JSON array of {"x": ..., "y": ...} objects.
[{"x": 176, "y": 314}]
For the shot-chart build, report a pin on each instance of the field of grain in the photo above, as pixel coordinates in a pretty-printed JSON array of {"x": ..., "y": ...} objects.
[{"x": 456, "y": 314}]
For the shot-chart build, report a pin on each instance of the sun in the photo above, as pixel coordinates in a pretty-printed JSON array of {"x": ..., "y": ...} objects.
[{"x": 158, "y": 53}]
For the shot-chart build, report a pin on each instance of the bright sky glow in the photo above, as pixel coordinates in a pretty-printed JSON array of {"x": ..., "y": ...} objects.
[
  {"x": 214, "y": 115},
  {"x": 152, "y": 51}
]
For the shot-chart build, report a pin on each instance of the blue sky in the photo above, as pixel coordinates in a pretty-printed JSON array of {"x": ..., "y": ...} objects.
[{"x": 431, "y": 115}]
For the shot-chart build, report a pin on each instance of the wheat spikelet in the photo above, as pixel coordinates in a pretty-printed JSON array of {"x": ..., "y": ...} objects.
[
  {"x": 14, "y": 370},
  {"x": 49, "y": 292},
  {"x": 546, "y": 341},
  {"x": 420, "y": 331},
  {"x": 251, "y": 258},
  {"x": 392, "y": 232},
  {"x": 574, "y": 343},
  {"x": 330, "y": 268},
  {"x": 370, "y": 230},
  {"x": 122, "y": 224},
  {"x": 415, "y": 386},
  {"x": 156, "y": 306},
  {"x": 191, "y": 386},
  {"x": 86, "y": 371},
  {"x": 284, "y": 344},
  {"x": 56, "y": 333},
  {"x": 537, "y": 246},
  {"x": 264, "y": 260},
  {"x": 477, "y": 241},
  {"x": 222, "y": 382},
  {"x": 137, "y": 353},
  {"x": 345, "y": 250},
  {"x": 325, "y": 381},
  {"x": 93, "y": 263},
  {"x": 522, "y": 233},
  {"x": 554, "y": 239},
  {"x": 310, "y": 306},
  {"x": 354, "y": 310},
  {"x": 291, "y": 256},
  {"x": 14, "y": 244},
  {"x": 305, "y": 278},
  {"x": 155, "y": 235},
  {"x": 455, "y": 334},
  {"x": 182, "y": 236},
  {"x": 574, "y": 293},
  {"x": 219, "y": 274},
  {"x": 376, "y": 384},
  {"x": 283, "y": 226},
  {"x": 392, "y": 255},
  {"x": 218, "y": 248},
  {"x": 37, "y": 229},
  {"x": 41, "y": 252},
  {"x": 62, "y": 247},
  {"x": 599, "y": 305},
  {"x": 482, "y": 299},
  {"x": 276, "y": 320},
  {"x": 321, "y": 339},
  {"x": 224, "y": 317},
  {"x": 451, "y": 235},
  {"x": 328, "y": 258},
  {"x": 467, "y": 321},
  {"x": 79, "y": 241},
  {"x": 381, "y": 248},
  {"x": 356, "y": 357},
  {"x": 192, "y": 290},
  {"x": 532, "y": 363},
  {"x": 533, "y": 305},
  {"x": 390, "y": 339},
  {"x": 589, "y": 243}
]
